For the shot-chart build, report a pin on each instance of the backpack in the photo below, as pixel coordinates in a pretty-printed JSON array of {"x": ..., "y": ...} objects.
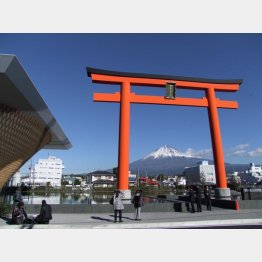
[{"x": 111, "y": 201}]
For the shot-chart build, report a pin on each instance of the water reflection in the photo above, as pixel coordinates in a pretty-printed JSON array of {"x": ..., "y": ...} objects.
[{"x": 68, "y": 198}]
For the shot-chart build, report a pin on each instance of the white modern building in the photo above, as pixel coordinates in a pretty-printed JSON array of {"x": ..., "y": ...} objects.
[
  {"x": 15, "y": 180},
  {"x": 202, "y": 173},
  {"x": 180, "y": 181},
  {"x": 255, "y": 171},
  {"x": 46, "y": 170},
  {"x": 174, "y": 181}
]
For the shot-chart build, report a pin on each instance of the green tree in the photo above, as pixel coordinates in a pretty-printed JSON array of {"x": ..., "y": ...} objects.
[
  {"x": 64, "y": 183},
  {"x": 77, "y": 182},
  {"x": 236, "y": 183},
  {"x": 115, "y": 170},
  {"x": 202, "y": 178}
]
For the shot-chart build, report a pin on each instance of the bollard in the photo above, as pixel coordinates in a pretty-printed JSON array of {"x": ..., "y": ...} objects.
[
  {"x": 249, "y": 193},
  {"x": 242, "y": 193},
  {"x": 237, "y": 205}
]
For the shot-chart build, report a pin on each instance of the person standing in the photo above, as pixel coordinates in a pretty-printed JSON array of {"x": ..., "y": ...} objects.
[
  {"x": 17, "y": 198},
  {"x": 118, "y": 205},
  {"x": 198, "y": 199},
  {"x": 207, "y": 194},
  {"x": 138, "y": 203},
  {"x": 191, "y": 195},
  {"x": 45, "y": 214}
]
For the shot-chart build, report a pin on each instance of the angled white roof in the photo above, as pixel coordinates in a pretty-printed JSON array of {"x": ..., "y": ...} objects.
[{"x": 18, "y": 91}]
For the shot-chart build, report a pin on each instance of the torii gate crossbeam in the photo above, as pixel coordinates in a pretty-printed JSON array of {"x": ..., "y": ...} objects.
[{"x": 125, "y": 97}]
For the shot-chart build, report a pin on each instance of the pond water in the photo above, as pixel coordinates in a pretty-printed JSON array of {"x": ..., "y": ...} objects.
[{"x": 68, "y": 198}]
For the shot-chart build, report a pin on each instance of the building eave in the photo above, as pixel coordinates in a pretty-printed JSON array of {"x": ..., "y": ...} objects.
[{"x": 18, "y": 91}]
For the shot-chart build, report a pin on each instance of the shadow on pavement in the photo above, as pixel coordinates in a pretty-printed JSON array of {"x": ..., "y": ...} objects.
[
  {"x": 7, "y": 220},
  {"x": 109, "y": 220},
  {"x": 124, "y": 217},
  {"x": 103, "y": 219},
  {"x": 27, "y": 226},
  {"x": 23, "y": 226}
]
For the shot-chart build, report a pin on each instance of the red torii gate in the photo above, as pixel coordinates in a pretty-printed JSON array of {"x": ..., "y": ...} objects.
[{"x": 125, "y": 97}]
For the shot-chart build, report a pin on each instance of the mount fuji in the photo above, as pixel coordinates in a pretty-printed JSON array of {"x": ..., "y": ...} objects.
[
  {"x": 169, "y": 161},
  {"x": 167, "y": 152}
]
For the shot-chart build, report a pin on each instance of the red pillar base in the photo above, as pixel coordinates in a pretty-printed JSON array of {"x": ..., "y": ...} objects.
[
  {"x": 223, "y": 193},
  {"x": 127, "y": 193}
]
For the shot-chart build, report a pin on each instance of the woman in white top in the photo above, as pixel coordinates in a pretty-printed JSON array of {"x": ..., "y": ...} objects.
[{"x": 118, "y": 205}]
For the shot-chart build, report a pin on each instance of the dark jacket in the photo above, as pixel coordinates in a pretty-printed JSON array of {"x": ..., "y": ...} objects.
[
  {"x": 198, "y": 193},
  {"x": 137, "y": 200},
  {"x": 191, "y": 195},
  {"x": 46, "y": 212},
  {"x": 19, "y": 215},
  {"x": 207, "y": 193}
]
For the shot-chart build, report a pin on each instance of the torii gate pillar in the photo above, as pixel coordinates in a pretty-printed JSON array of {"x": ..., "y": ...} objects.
[
  {"x": 124, "y": 140},
  {"x": 221, "y": 190}
]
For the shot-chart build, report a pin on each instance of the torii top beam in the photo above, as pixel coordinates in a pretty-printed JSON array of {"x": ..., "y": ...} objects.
[{"x": 138, "y": 79}]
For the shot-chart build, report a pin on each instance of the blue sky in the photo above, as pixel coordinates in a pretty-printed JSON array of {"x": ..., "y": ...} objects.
[{"x": 56, "y": 63}]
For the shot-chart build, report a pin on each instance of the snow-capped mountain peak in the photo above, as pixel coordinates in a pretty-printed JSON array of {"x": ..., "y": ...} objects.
[{"x": 165, "y": 152}]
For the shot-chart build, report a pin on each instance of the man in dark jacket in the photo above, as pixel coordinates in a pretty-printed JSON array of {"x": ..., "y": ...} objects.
[
  {"x": 138, "y": 203},
  {"x": 45, "y": 214},
  {"x": 191, "y": 196},
  {"x": 198, "y": 199},
  {"x": 207, "y": 195}
]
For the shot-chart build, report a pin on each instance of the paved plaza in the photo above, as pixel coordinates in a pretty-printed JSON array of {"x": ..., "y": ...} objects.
[{"x": 218, "y": 218}]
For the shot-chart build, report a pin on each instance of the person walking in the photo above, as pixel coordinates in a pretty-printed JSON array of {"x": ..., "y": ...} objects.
[
  {"x": 45, "y": 214},
  {"x": 138, "y": 203},
  {"x": 207, "y": 194},
  {"x": 198, "y": 199},
  {"x": 118, "y": 205},
  {"x": 191, "y": 195}
]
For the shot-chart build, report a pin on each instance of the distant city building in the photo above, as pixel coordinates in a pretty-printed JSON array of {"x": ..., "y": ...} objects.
[
  {"x": 180, "y": 181},
  {"x": 202, "y": 173},
  {"x": 75, "y": 180},
  {"x": 46, "y": 170},
  {"x": 255, "y": 171},
  {"x": 174, "y": 181},
  {"x": 15, "y": 180},
  {"x": 148, "y": 181},
  {"x": 252, "y": 175},
  {"x": 101, "y": 178},
  {"x": 132, "y": 179}
]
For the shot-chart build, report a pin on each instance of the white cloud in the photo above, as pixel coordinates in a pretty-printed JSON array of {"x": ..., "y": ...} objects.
[
  {"x": 256, "y": 152},
  {"x": 239, "y": 150},
  {"x": 203, "y": 153},
  {"x": 238, "y": 153},
  {"x": 240, "y": 147}
]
